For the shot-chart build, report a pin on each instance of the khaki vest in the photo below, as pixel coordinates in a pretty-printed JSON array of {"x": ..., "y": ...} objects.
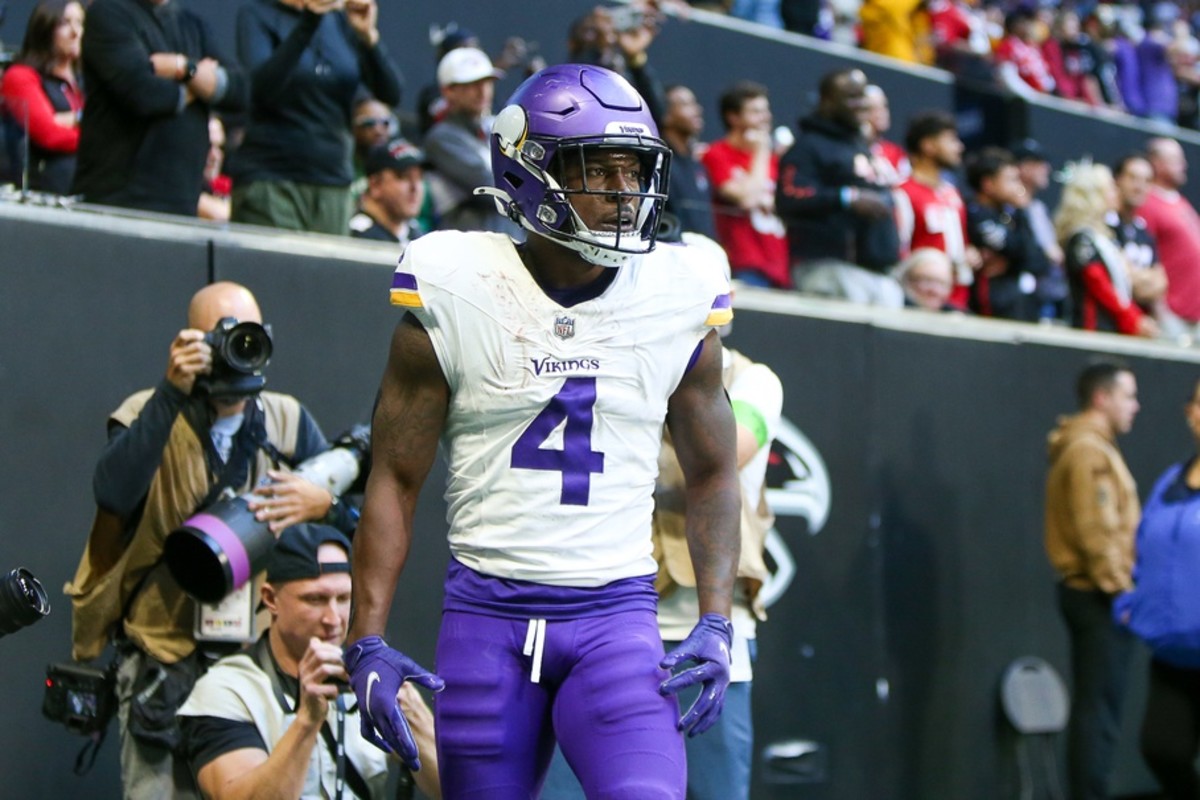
[
  {"x": 161, "y": 617},
  {"x": 670, "y": 541}
]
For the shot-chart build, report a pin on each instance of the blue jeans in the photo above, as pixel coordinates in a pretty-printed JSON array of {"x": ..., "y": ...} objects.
[{"x": 764, "y": 12}]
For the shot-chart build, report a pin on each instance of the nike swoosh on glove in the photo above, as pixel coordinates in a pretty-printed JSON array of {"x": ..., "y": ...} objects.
[
  {"x": 376, "y": 673},
  {"x": 708, "y": 645}
]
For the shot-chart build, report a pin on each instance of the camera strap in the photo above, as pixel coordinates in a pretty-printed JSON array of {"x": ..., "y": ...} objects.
[{"x": 347, "y": 773}]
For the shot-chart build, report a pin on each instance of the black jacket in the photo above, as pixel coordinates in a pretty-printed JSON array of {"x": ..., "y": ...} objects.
[
  {"x": 139, "y": 146},
  {"x": 1008, "y": 234},
  {"x": 826, "y": 159}
]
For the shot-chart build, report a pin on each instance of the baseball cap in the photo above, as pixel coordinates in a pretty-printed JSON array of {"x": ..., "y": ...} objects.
[
  {"x": 465, "y": 65},
  {"x": 294, "y": 556},
  {"x": 398, "y": 154},
  {"x": 1028, "y": 150}
]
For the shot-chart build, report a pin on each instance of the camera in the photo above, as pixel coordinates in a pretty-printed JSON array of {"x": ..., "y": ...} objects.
[
  {"x": 626, "y": 18},
  {"x": 80, "y": 697},
  {"x": 217, "y": 550},
  {"x": 241, "y": 351},
  {"x": 23, "y": 601}
]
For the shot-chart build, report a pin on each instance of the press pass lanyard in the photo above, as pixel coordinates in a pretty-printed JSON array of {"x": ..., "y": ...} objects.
[{"x": 266, "y": 661}]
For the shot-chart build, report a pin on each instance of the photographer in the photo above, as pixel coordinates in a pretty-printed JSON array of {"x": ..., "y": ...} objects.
[
  {"x": 270, "y": 722},
  {"x": 172, "y": 451}
]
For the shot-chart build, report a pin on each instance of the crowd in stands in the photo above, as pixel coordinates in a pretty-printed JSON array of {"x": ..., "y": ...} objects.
[{"x": 840, "y": 206}]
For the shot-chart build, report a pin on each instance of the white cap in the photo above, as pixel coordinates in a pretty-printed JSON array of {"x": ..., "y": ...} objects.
[{"x": 465, "y": 65}]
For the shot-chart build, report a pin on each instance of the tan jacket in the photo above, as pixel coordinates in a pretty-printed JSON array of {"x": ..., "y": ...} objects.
[
  {"x": 161, "y": 616},
  {"x": 1092, "y": 507}
]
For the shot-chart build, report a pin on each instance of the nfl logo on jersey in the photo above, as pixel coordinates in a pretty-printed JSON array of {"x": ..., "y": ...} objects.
[{"x": 564, "y": 327}]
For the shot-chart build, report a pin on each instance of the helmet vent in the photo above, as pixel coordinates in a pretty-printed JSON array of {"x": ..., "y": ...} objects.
[{"x": 513, "y": 179}]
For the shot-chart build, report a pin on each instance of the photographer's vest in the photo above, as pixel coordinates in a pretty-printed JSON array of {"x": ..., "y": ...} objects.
[
  {"x": 160, "y": 617},
  {"x": 670, "y": 542}
]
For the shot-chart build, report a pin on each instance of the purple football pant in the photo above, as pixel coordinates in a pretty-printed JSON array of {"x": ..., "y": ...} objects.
[{"x": 598, "y": 693}]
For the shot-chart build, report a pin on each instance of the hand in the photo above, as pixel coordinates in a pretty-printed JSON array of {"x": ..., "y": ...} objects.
[
  {"x": 1149, "y": 284},
  {"x": 1147, "y": 327},
  {"x": 323, "y": 6},
  {"x": 320, "y": 666},
  {"x": 169, "y": 66},
  {"x": 189, "y": 357},
  {"x": 870, "y": 204},
  {"x": 363, "y": 16},
  {"x": 708, "y": 645},
  {"x": 377, "y": 673},
  {"x": 204, "y": 83},
  {"x": 288, "y": 500}
]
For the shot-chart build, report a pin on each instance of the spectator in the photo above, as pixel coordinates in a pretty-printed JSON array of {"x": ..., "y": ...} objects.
[
  {"x": 431, "y": 105},
  {"x": 1160, "y": 91},
  {"x": 890, "y": 160},
  {"x": 689, "y": 197},
  {"x": 395, "y": 191},
  {"x": 927, "y": 277},
  {"x": 930, "y": 212},
  {"x": 1133, "y": 175},
  {"x": 171, "y": 451},
  {"x": 801, "y": 16},
  {"x": 997, "y": 223},
  {"x": 1115, "y": 57},
  {"x": 373, "y": 125},
  {"x": 897, "y": 29},
  {"x": 458, "y": 148},
  {"x": 1019, "y": 62},
  {"x": 307, "y": 60},
  {"x": 743, "y": 169},
  {"x": 622, "y": 44},
  {"x": 1069, "y": 55},
  {"x": 214, "y": 199},
  {"x": 1053, "y": 291},
  {"x": 42, "y": 96},
  {"x": 154, "y": 75},
  {"x": 764, "y": 12},
  {"x": 959, "y": 37},
  {"x": 1161, "y": 608},
  {"x": 1101, "y": 281},
  {"x": 1184, "y": 52},
  {"x": 1092, "y": 510},
  {"x": 1175, "y": 226},
  {"x": 261, "y": 723},
  {"x": 839, "y": 214}
]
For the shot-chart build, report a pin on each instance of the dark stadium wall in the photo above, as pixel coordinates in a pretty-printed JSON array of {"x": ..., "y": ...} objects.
[{"x": 924, "y": 583}]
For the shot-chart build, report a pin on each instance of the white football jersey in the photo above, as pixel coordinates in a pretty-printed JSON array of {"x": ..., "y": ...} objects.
[{"x": 556, "y": 414}]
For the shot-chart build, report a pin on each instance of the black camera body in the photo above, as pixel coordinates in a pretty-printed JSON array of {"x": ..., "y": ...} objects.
[
  {"x": 240, "y": 354},
  {"x": 82, "y": 698}
]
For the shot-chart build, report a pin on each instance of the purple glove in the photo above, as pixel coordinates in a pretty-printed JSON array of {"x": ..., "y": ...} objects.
[
  {"x": 376, "y": 672},
  {"x": 708, "y": 645}
]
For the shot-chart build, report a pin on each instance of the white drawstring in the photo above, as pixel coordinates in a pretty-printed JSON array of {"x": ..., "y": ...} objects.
[{"x": 535, "y": 644}]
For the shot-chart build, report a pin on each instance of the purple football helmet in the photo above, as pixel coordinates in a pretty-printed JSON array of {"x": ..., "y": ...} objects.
[{"x": 563, "y": 113}]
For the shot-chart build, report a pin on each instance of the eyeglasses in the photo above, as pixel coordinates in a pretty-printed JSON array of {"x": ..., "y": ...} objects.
[{"x": 373, "y": 122}]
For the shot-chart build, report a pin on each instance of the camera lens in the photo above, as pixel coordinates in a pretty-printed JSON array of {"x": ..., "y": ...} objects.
[
  {"x": 248, "y": 347},
  {"x": 23, "y": 601}
]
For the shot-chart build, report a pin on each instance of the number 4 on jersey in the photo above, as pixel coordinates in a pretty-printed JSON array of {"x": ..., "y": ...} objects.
[{"x": 576, "y": 460}]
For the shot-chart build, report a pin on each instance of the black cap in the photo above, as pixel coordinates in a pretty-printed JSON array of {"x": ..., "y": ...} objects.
[
  {"x": 1028, "y": 150},
  {"x": 294, "y": 556},
  {"x": 398, "y": 154}
]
